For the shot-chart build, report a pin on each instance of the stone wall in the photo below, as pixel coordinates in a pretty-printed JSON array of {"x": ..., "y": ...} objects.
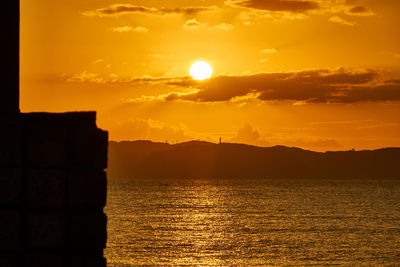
[{"x": 52, "y": 190}]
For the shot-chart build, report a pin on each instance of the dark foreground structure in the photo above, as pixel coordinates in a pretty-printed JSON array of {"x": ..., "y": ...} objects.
[{"x": 52, "y": 180}]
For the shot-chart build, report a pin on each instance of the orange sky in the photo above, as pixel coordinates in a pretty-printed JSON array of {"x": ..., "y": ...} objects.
[{"x": 321, "y": 75}]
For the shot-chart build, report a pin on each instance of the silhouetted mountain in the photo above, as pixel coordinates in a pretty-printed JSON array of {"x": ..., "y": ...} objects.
[{"x": 196, "y": 159}]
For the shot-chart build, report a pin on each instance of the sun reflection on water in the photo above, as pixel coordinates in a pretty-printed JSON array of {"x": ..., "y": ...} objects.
[{"x": 208, "y": 223}]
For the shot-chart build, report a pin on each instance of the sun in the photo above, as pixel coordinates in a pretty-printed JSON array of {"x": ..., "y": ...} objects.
[{"x": 200, "y": 70}]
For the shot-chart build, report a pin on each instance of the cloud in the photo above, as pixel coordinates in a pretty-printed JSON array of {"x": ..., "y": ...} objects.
[
  {"x": 141, "y": 129},
  {"x": 90, "y": 77},
  {"x": 313, "y": 86},
  {"x": 359, "y": 11},
  {"x": 395, "y": 81},
  {"x": 85, "y": 76},
  {"x": 343, "y": 122},
  {"x": 342, "y": 21},
  {"x": 269, "y": 51},
  {"x": 120, "y": 9},
  {"x": 248, "y": 135},
  {"x": 295, "y": 6},
  {"x": 310, "y": 86},
  {"x": 158, "y": 56},
  {"x": 140, "y": 29},
  {"x": 289, "y": 10},
  {"x": 123, "y": 29},
  {"x": 250, "y": 16},
  {"x": 97, "y": 61},
  {"x": 171, "y": 96},
  {"x": 130, "y": 29},
  {"x": 302, "y": 87},
  {"x": 222, "y": 27},
  {"x": 386, "y": 92},
  {"x": 192, "y": 24}
]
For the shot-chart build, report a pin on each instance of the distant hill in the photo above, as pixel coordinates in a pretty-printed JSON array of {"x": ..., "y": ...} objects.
[{"x": 196, "y": 159}]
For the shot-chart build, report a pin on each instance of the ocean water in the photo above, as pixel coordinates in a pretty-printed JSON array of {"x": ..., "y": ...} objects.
[{"x": 254, "y": 223}]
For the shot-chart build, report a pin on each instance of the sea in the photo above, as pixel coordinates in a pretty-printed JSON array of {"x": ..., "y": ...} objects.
[{"x": 210, "y": 222}]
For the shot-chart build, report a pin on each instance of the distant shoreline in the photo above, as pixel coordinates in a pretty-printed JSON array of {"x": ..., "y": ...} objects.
[{"x": 198, "y": 159}]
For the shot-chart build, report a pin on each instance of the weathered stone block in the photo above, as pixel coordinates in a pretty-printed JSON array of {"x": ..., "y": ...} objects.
[
  {"x": 43, "y": 259},
  {"x": 10, "y": 146},
  {"x": 10, "y": 186},
  {"x": 46, "y": 229},
  {"x": 10, "y": 224},
  {"x": 88, "y": 230},
  {"x": 90, "y": 148},
  {"x": 87, "y": 189},
  {"x": 47, "y": 145},
  {"x": 46, "y": 188}
]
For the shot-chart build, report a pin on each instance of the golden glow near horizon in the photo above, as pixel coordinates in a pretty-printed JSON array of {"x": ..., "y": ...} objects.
[
  {"x": 200, "y": 70},
  {"x": 321, "y": 75}
]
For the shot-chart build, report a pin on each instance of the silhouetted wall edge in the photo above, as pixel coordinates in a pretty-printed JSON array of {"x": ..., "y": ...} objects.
[
  {"x": 9, "y": 100},
  {"x": 52, "y": 181},
  {"x": 53, "y": 190}
]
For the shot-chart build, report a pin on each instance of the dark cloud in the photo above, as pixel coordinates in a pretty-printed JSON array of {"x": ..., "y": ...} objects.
[
  {"x": 276, "y": 5},
  {"x": 397, "y": 81},
  {"x": 370, "y": 93},
  {"x": 310, "y": 86},
  {"x": 315, "y": 86},
  {"x": 359, "y": 10},
  {"x": 119, "y": 9}
]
